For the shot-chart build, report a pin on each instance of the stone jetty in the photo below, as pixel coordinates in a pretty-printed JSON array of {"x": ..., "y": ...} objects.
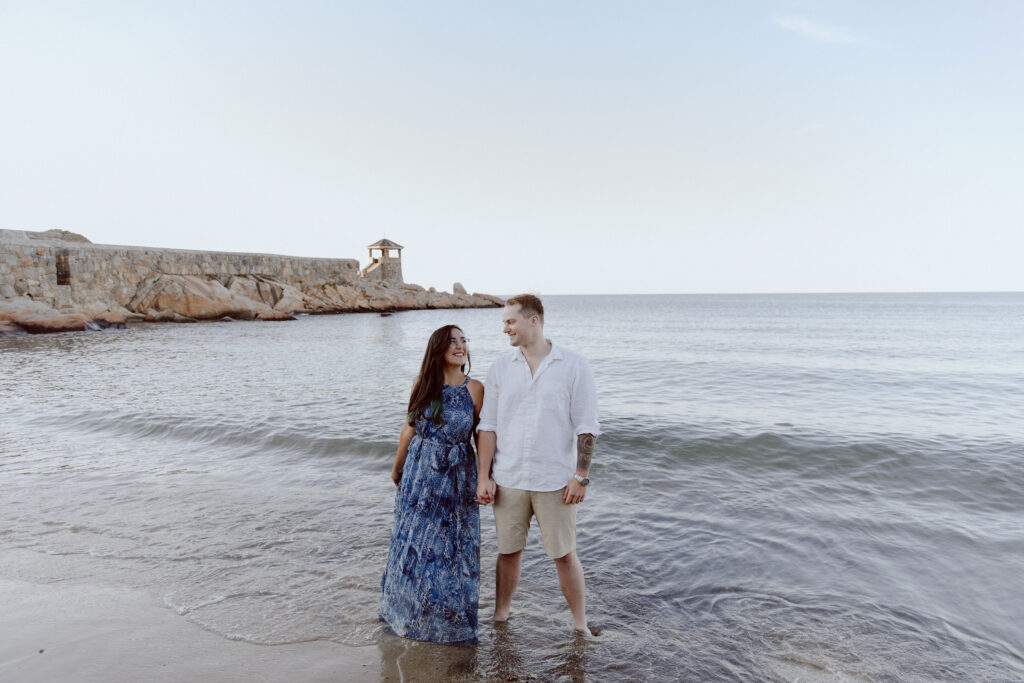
[{"x": 59, "y": 281}]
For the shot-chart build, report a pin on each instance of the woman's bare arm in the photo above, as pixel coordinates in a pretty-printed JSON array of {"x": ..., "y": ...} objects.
[{"x": 408, "y": 431}]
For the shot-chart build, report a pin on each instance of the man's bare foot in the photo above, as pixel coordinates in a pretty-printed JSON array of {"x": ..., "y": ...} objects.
[{"x": 494, "y": 620}]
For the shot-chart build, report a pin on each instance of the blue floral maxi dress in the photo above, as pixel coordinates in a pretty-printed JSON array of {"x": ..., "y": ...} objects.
[{"x": 431, "y": 584}]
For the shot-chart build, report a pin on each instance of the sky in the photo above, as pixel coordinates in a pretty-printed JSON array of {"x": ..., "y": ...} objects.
[{"x": 554, "y": 147}]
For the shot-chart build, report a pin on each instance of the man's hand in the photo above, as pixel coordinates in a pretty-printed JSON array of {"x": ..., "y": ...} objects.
[
  {"x": 574, "y": 492},
  {"x": 485, "y": 491}
]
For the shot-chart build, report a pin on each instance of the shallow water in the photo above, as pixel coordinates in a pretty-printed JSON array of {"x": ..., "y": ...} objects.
[{"x": 788, "y": 487}]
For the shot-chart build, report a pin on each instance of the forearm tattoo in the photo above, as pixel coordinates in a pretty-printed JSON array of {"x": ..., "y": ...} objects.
[{"x": 585, "y": 452}]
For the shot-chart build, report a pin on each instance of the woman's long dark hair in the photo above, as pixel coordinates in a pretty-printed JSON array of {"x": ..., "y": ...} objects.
[{"x": 426, "y": 391}]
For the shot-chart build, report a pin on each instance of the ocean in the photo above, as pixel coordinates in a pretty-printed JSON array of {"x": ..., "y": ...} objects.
[{"x": 787, "y": 487}]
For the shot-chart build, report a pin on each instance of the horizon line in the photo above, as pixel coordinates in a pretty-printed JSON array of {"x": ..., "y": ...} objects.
[{"x": 781, "y": 293}]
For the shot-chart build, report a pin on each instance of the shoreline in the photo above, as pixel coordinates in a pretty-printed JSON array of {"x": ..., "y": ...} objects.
[{"x": 98, "y": 632}]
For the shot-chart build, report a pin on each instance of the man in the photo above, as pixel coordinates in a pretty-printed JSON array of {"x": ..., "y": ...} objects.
[{"x": 538, "y": 428}]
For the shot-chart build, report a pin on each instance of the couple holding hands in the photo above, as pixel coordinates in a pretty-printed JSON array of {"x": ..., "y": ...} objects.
[{"x": 536, "y": 426}]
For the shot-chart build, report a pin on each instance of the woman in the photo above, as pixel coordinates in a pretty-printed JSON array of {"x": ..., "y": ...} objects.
[{"x": 431, "y": 584}]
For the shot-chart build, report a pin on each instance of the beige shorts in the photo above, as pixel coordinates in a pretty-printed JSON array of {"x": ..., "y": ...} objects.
[{"x": 513, "y": 509}]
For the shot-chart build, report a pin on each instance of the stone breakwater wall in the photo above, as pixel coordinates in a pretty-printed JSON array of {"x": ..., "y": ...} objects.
[
  {"x": 101, "y": 273},
  {"x": 57, "y": 281}
]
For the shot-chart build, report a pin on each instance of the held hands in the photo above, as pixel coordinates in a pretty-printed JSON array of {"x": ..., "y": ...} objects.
[
  {"x": 485, "y": 491},
  {"x": 574, "y": 492}
]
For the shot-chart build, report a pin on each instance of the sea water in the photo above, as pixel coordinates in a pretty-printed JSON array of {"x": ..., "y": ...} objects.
[{"x": 786, "y": 487}]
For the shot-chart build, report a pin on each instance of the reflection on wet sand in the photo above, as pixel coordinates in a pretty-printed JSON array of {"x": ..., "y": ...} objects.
[
  {"x": 498, "y": 657},
  {"x": 573, "y": 660},
  {"x": 504, "y": 662},
  {"x": 414, "y": 660}
]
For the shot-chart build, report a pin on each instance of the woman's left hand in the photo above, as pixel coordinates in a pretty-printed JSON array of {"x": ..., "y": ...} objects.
[{"x": 396, "y": 476}]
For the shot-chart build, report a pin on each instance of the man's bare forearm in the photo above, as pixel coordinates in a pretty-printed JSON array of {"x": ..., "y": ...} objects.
[
  {"x": 486, "y": 442},
  {"x": 585, "y": 444}
]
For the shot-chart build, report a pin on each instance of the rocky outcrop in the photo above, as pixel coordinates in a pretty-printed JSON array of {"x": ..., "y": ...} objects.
[
  {"x": 58, "y": 322},
  {"x": 57, "y": 281},
  {"x": 196, "y": 298},
  {"x": 27, "y": 316}
]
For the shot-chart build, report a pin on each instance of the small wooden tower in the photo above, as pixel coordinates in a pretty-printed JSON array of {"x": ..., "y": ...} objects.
[{"x": 385, "y": 263}]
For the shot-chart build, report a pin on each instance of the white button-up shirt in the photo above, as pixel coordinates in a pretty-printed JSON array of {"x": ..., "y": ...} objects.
[{"x": 538, "y": 417}]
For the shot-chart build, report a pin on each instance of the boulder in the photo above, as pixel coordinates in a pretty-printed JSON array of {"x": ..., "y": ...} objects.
[
  {"x": 106, "y": 319},
  {"x": 457, "y": 288},
  {"x": 184, "y": 295},
  {"x": 109, "y": 315},
  {"x": 442, "y": 300},
  {"x": 370, "y": 296},
  {"x": 407, "y": 300},
  {"x": 277, "y": 296},
  {"x": 23, "y": 306},
  {"x": 37, "y": 318},
  {"x": 255, "y": 289},
  {"x": 153, "y": 316},
  {"x": 294, "y": 300},
  {"x": 201, "y": 298},
  {"x": 485, "y": 299},
  {"x": 55, "y": 322},
  {"x": 339, "y": 298}
]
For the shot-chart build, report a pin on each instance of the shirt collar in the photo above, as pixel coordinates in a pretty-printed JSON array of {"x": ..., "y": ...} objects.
[{"x": 554, "y": 354}]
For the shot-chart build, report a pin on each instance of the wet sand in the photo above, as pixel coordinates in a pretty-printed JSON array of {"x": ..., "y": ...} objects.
[{"x": 92, "y": 632}]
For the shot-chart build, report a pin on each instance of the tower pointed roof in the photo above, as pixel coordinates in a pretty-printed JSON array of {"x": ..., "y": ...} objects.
[{"x": 385, "y": 244}]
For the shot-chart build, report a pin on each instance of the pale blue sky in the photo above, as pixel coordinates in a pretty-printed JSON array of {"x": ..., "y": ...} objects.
[{"x": 559, "y": 147}]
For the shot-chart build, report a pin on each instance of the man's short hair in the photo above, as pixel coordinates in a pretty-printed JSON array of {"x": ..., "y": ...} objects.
[{"x": 530, "y": 304}]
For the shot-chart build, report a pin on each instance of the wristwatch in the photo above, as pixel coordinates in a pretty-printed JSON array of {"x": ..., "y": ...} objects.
[{"x": 583, "y": 480}]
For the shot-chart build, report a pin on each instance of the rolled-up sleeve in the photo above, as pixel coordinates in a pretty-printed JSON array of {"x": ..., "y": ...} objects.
[
  {"x": 489, "y": 411},
  {"x": 583, "y": 401}
]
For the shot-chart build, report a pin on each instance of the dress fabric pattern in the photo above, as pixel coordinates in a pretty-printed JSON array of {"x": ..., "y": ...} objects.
[{"x": 431, "y": 584}]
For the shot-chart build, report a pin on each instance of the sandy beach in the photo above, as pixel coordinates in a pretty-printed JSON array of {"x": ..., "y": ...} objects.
[{"x": 93, "y": 632}]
